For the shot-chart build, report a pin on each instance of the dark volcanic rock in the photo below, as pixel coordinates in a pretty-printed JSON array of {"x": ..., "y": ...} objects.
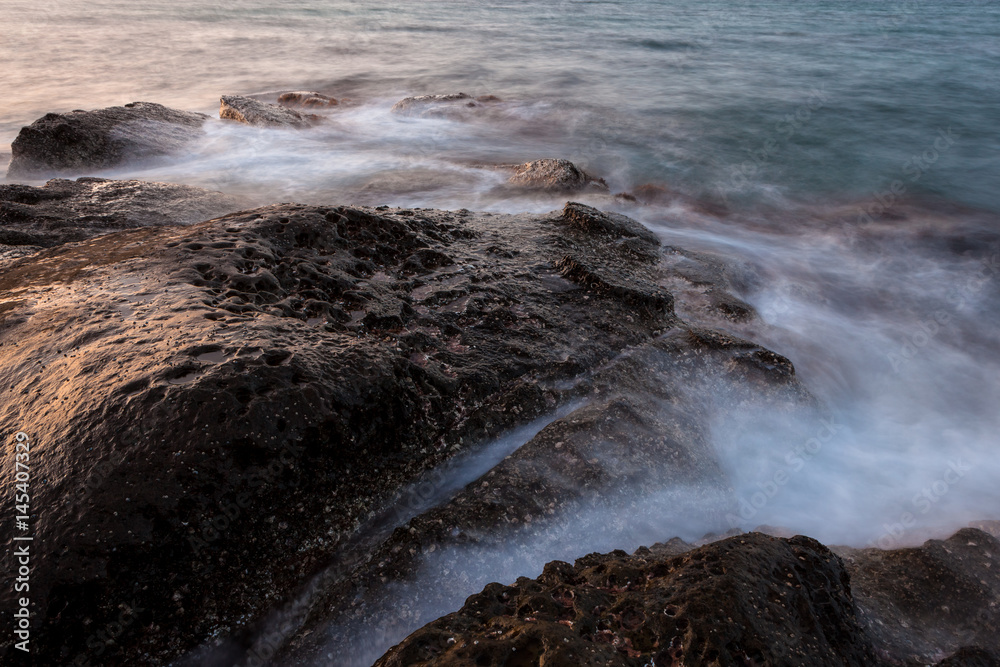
[
  {"x": 214, "y": 408},
  {"x": 79, "y": 141},
  {"x": 641, "y": 434},
  {"x": 593, "y": 221},
  {"x": 550, "y": 175},
  {"x": 308, "y": 100},
  {"x": 63, "y": 210},
  {"x": 254, "y": 112},
  {"x": 921, "y": 603},
  {"x": 747, "y": 600}
]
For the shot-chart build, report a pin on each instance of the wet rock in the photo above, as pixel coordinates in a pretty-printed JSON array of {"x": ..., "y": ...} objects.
[
  {"x": 64, "y": 210},
  {"x": 750, "y": 599},
  {"x": 551, "y": 175},
  {"x": 451, "y": 105},
  {"x": 704, "y": 288},
  {"x": 941, "y": 598},
  {"x": 222, "y": 404},
  {"x": 8, "y": 253},
  {"x": 747, "y": 600},
  {"x": 80, "y": 141},
  {"x": 306, "y": 100},
  {"x": 593, "y": 221},
  {"x": 640, "y": 433},
  {"x": 254, "y": 112}
]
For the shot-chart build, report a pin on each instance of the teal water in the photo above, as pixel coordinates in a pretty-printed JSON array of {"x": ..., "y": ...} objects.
[
  {"x": 673, "y": 91},
  {"x": 785, "y": 126}
]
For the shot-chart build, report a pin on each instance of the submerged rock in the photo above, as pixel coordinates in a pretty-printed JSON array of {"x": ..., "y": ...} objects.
[
  {"x": 79, "y": 141},
  {"x": 306, "y": 100},
  {"x": 64, "y": 210},
  {"x": 550, "y": 175},
  {"x": 254, "y": 112},
  {"x": 448, "y": 105}
]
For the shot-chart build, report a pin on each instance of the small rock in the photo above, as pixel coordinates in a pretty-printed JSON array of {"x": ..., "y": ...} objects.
[
  {"x": 254, "y": 112},
  {"x": 306, "y": 100},
  {"x": 551, "y": 175},
  {"x": 452, "y": 106},
  {"x": 410, "y": 104}
]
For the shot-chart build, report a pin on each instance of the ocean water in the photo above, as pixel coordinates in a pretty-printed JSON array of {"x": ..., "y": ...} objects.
[
  {"x": 842, "y": 156},
  {"x": 682, "y": 92}
]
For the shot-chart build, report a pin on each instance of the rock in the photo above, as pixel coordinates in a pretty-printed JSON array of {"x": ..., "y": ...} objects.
[
  {"x": 306, "y": 100},
  {"x": 747, "y": 600},
  {"x": 9, "y": 253},
  {"x": 941, "y": 598},
  {"x": 217, "y": 407},
  {"x": 550, "y": 175},
  {"x": 409, "y": 104},
  {"x": 64, "y": 210},
  {"x": 80, "y": 141},
  {"x": 593, "y": 221},
  {"x": 453, "y": 105},
  {"x": 640, "y": 434},
  {"x": 253, "y": 112}
]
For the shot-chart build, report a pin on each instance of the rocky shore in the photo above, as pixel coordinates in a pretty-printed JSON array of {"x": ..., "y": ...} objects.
[
  {"x": 252, "y": 427},
  {"x": 751, "y": 599}
]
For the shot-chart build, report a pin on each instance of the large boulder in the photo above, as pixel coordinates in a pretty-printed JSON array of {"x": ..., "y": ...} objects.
[
  {"x": 746, "y": 600},
  {"x": 254, "y": 112},
  {"x": 64, "y": 210},
  {"x": 215, "y": 408},
  {"x": 595, "y": 475},
  {"x": 81, "y": 141}
]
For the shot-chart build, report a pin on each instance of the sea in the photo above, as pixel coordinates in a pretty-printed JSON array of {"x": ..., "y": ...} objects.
[{"x": 843, "y": 156}]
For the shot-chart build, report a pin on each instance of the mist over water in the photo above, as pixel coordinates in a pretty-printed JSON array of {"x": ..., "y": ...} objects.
[
  {"x": 896, "y": 337},
  {"x": 674, "y": 91},
  {"x": 843, "y": 157}
]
